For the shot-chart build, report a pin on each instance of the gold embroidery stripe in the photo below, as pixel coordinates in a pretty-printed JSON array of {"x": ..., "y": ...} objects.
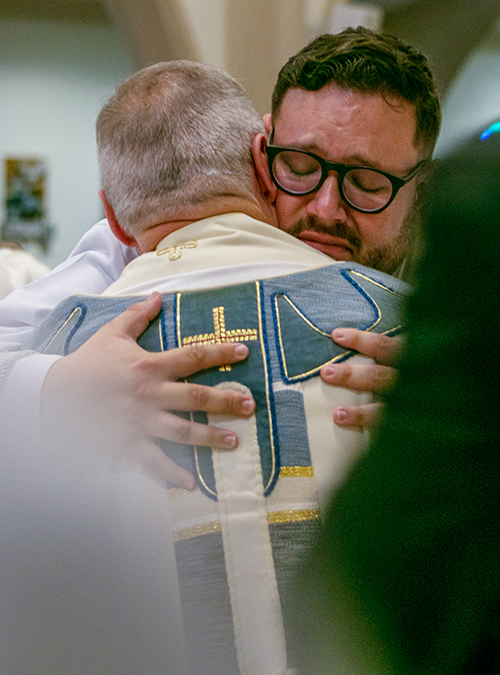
[
  {"x": 289, "y": 516},
  {"x": 292, "y": 516},
  {"x": 237, "y": 335},
  {"x": 197, "y": 531},
  {"x": 267, "y": 381},
  {"x": 199, "y": 339},
  {"x": 240, "y": 332},
  {"x": 375, "y": 283},
  {"x": 177, "y": 492},
  {"x": 219, "y": 320},
  {"x": 296, "y": 472},
  {"x": 78, "y": 310}
]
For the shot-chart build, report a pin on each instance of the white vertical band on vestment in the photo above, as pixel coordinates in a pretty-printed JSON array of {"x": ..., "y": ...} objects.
[
  {"x": 257, "y": 619},
  {"x": 334, "y": 449}
]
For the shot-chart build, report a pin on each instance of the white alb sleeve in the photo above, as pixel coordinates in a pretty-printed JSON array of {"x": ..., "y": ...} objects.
[{"x": 95, "y": 263}]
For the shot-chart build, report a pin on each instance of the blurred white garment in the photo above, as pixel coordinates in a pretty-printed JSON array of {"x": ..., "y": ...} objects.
[
  {"x": 87, "y": 571},
  {"x": 97, "y": 260},
  {"x": 18, "y": 268}
]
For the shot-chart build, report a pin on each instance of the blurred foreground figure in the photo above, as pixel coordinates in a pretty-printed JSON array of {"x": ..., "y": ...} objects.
[
  {"x": 17, "y": 268},
  {"x": 86, "y": 582},
  {"x": 406, "y": 574}
]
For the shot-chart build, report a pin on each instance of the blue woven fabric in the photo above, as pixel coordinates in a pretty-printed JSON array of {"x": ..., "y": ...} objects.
[{"x": 285, "y": 321}]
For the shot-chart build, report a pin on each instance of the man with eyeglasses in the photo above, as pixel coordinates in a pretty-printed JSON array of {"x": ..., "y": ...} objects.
[
  {"x": 355, "y": 118},
  {"x": 357, "y": 99}
]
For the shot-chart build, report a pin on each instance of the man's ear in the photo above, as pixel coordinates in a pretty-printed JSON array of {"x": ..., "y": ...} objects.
[
  {"x": 266, "y": 185},
  {"x": 268, "y": 124},
  {"x": 115, "y": 226}
]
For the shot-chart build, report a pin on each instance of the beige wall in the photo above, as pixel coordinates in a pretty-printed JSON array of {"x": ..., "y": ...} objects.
[{"x": 251, "y": 39}]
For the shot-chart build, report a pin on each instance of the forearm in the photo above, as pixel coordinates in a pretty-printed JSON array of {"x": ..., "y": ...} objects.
[{"x": 22, "y": 374}]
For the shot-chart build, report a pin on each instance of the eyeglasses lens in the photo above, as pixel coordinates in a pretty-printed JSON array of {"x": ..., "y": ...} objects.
[
  {"x": 300, "y": 173},
  {"x": 366, "y": 189},
  {"x": 296, "y": 172}
]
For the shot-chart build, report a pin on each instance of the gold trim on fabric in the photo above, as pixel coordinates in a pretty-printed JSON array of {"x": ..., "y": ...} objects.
[
  {"x": 317, "y": 330},
  {"x": 296, "y": 472},
  {"x": 198, "y": 469},
  {"x": 173, "y": 493},
  {"x": 79, "y": 310},
  {"x": 160, "y": 335},
  {"x": 302, "y": 316},
  {"x": 178, "y": 320},
  {"x": 175, "y": 252},
  {"x": 179, "y": 342},
  {"x": 292, "y": 516},
  {"x": 289, "y": 516},
  {"x": 220, "y": 334},
  {"x": 311, "y": 325},
  {"x": 400, "y": 295},
  {"x": 266, "y": 380},
  {"x": 197, "y": 531},
  {"x": 376, "y": 283}
]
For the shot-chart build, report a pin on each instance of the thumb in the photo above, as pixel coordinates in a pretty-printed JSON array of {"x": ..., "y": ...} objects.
[{"x": 134, "y": 320}]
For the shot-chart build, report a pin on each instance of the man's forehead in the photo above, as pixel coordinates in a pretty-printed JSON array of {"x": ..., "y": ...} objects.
[
  {"x": 358, "y": 125},
  {"x": 336, "y": 98}
]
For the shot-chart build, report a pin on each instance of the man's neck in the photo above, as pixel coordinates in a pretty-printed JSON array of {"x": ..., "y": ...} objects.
[{"x": 148, "y": 240}]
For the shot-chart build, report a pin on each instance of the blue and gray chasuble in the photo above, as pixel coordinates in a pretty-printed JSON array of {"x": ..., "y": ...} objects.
[{"x": 241, "y": 534}]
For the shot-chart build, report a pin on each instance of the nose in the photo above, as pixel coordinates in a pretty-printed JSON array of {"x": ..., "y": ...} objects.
[{"x": 327, "y": 203}]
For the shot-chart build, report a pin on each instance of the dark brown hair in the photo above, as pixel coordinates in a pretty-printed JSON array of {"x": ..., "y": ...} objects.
[{"x": 368, "y": 62}]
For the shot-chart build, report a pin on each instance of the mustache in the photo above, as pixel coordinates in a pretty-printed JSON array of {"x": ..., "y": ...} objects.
[{"x": 338, "y": 229}]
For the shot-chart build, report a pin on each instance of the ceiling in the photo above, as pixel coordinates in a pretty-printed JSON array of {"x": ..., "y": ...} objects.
[
  {"x": 94, "y": 11},
  {"x": 79, "y": 11}
]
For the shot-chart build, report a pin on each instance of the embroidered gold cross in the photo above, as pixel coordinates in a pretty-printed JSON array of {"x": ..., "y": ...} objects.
[
  {"x": 175, "y": 252},
  {"x": 221, "y": 335}
]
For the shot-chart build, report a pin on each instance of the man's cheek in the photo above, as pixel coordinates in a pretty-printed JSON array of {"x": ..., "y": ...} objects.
[{"x": 290, "y": 210}]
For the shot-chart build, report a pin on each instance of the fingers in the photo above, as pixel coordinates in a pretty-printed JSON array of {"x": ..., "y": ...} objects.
[
  {"x": 174, "y": 428},
  {"x": 364, "y": 416},
  {"x": 190, "y": 397},
  {"x": 186, "y": 361},
  {"x": 382, "y": 348},
  {"x": 134, "y": 320},
  {"x": 162, "y": 467},
  {"x": 362, "y": 377}
]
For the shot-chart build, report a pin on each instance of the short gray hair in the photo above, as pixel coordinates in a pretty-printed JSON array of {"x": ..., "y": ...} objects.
[{"x": 176, "y": 133}]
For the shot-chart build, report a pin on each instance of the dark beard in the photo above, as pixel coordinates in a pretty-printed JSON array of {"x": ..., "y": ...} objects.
[{"x": 386, "y": 259}]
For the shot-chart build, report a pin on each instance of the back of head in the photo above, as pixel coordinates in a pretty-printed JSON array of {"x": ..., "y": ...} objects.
[
  {"x": 174, "y": 134},
  {"x": 371, "y": 63}
]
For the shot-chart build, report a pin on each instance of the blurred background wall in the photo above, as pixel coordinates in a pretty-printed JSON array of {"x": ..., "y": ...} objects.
[{"x": 61, "y": 59}]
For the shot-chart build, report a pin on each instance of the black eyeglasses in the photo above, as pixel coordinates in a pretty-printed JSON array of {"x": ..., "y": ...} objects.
[{"x": 298, "y": 172}]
